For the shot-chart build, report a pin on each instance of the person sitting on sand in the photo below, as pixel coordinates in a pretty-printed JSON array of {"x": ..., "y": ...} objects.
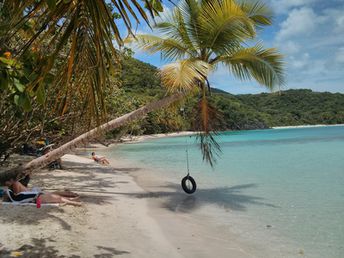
[
  {"x": 20, "y": 193},
  {"x": 101, "y": 160}
]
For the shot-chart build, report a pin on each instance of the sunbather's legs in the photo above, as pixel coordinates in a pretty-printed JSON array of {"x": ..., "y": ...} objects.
[
  {"x": 53, "y": 198},
  {"x": 104, "y": 161},
  {"x": 70, "y": 202},
  {"x": 68, "y": 194}
]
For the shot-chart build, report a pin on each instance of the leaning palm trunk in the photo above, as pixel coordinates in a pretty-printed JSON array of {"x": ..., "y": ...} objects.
[{"x": 86, "y": 137}]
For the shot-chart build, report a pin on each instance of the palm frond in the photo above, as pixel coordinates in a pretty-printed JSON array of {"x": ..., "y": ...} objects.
[
  {"x": 175, "y": 27},
  {"x": 190, "y": 10},
  {"x": 207, "y": 122},
  {"x": 184, "y": 75},
  {"x": 81, "y": 34},
  {"x": 222, "y": 22},
  {"x": 257, "y": 11},
  {"x": 264, "y": 65},
  {"x": 169, "y": 48}
]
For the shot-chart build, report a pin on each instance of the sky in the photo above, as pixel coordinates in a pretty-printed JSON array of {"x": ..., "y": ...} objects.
[{"x": 309, "y": 33}]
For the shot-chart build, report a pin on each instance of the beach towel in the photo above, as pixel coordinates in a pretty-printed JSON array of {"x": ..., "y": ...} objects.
[{"x": 29, "y": 204}]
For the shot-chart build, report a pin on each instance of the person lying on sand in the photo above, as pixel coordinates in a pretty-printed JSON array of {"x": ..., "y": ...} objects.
[
  {"x": 101, "y": 160},
  {"x": 20, "y": 193}
]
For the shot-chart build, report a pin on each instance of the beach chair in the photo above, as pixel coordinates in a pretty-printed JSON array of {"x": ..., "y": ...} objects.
[
  {"x": 23, "y": 197},
  {"x": 31, "y": 201}
]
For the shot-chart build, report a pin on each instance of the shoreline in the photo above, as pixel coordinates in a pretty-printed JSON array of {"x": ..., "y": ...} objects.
[
  {"x": 132, "y": 211},
  {"x": 136, "y": 211},
  {"x": 190, "y": 223},
  {"x": 127, "y": 210},
  {"x": 208, "y": 206},
  {"x": 141, "y": 138},
  {"x": 305, "y": 126},
  {"x": 210, "y": 226},
  {"x": 135, "y": 139}
]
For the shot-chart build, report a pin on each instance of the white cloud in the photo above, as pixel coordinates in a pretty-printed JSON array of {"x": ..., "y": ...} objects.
[
  {"x": 300, "y": 22},
  {"x": 340, "y": 55},
  {"x": 283, "y": 6},
  {"x": 311, "y": 38},
  {"x": 290, "y": 47},
  {"x": 313, "y": 46},
  {"x": 337, "y": 16},
  {"x": 340, "y": 22},
  {"x": 300, "y": 61}
]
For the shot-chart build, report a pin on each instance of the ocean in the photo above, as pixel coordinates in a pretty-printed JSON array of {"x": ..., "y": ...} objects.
[{"x": 284, "y": 186}]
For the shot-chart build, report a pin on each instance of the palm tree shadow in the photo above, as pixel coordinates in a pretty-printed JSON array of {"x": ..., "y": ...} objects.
[
  {"x": 228, "y": 198},
  {"x": 109, "y": 252},
  {"x": 18, "y": 214},
  {"x": 39, "y": 248},
  {"x": 93, "y": 182}
]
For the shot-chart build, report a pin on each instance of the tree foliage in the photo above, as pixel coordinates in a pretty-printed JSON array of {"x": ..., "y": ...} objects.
[
  {"x": 75, "y": 41},
  {"x": 58, "y": 61},
  {"x": 297, "y": 107}
]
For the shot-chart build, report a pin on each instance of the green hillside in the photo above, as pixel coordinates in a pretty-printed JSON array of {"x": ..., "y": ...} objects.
[
  {"x": 298, "y": 107},
  {"x": 239, "y": 112}
]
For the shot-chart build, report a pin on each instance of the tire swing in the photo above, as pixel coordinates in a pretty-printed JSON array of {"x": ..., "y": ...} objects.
[{"x": 188, "y": 183}]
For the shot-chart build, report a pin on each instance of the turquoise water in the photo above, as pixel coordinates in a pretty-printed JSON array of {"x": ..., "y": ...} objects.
[{"x": 288, "y": 180}]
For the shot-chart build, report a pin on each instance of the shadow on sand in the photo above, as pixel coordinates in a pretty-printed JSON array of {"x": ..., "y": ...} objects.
[
  {"x": 172, "y": 196},
  {"x": 18, "y": 215},
  {"x": 228, "y": 198},
  {"x": 93, "y": 182},
  {"x": 42, "y": 248},
  {"x": 39, "y": 248}
]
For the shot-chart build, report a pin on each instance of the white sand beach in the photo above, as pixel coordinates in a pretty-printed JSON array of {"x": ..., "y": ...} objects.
[
  {"x": 124, "y": 213},
  {"x": 305, "y": 126},
  {"x": 115, "y": 219},
  {"x": 109, "y": 223},
  {"x": 140, "y": 138}
]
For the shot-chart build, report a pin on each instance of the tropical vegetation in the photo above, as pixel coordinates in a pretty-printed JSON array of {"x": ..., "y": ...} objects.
[{"x": 66, "y": 58}]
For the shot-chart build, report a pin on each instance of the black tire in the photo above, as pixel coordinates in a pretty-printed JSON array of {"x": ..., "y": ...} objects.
[{"x": 185, "y": 186}]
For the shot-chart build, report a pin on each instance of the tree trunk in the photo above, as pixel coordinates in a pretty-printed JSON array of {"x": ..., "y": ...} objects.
[{"x": 68, "y": 147}]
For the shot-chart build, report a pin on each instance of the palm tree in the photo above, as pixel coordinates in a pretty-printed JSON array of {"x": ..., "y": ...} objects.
[
  {"x": 76, "y": 41},
  {"x": 199, "y": 35}
]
